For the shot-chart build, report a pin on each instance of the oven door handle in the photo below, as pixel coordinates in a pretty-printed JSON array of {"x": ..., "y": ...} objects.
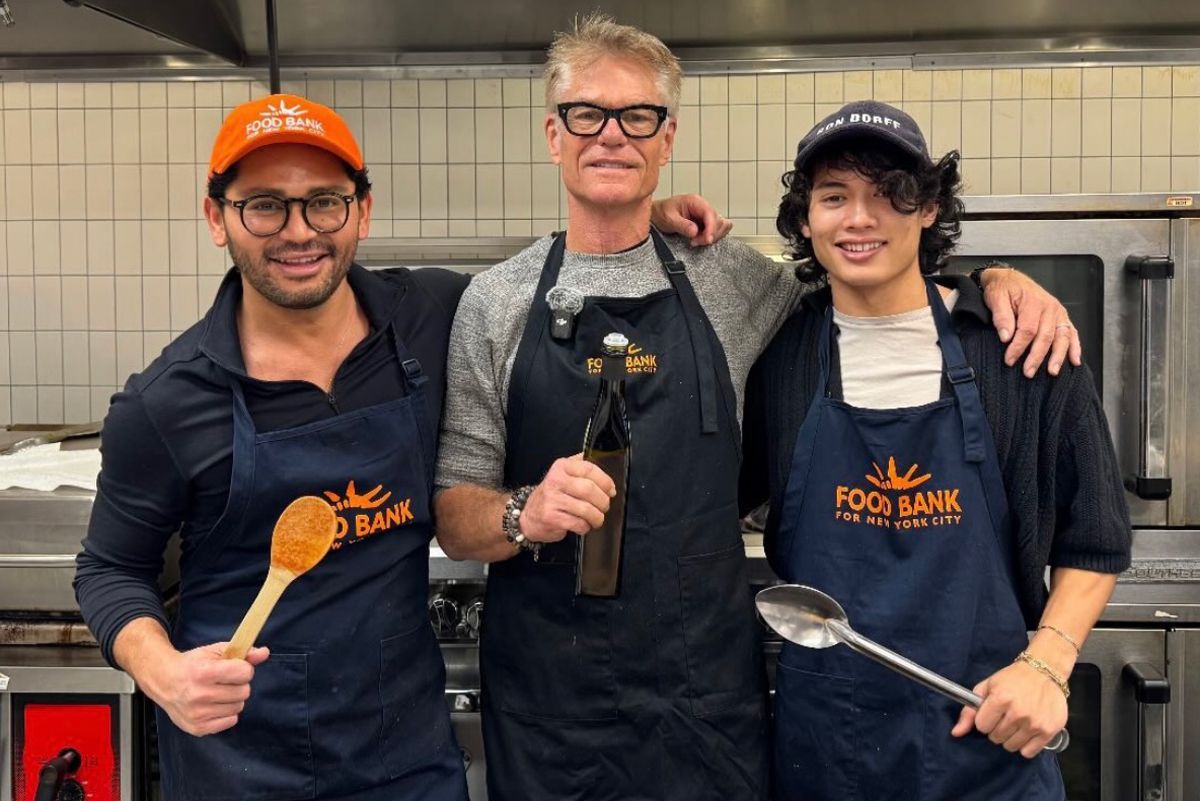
[
  {"x": 37, "y": 560},
  {"x": 1152, "y": 690},
  {"x": 1150, "y": 480}
]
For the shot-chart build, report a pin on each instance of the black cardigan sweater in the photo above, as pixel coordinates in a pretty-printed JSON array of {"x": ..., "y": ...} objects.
[{"x": 1064, "y": 488}]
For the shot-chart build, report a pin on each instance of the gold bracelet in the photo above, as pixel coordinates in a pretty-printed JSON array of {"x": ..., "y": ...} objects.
[
  {"x": 1045, "y": 670},
  {"x": 1070, "y": 640}
]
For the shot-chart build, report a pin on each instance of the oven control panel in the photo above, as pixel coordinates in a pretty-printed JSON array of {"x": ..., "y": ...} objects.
[{"x": 65, "y": 748}]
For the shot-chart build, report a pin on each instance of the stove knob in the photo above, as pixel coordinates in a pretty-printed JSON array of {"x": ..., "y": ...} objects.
[
  {"x": 472, "y": 617},
  {"x": 52, "y": 778},
  {"x": 443, "y": 615},
  {"x": 71, "y": 791}
]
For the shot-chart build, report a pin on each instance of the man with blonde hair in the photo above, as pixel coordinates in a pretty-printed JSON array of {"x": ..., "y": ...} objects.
[{"x": 660, "y": 692}]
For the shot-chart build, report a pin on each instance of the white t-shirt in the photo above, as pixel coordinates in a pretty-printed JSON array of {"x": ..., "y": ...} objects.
[{"x": 890, "y": 362}]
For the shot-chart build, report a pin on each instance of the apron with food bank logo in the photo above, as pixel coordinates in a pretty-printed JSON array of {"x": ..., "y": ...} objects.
[
  {"x": 899, "y": 514},
  {"x": 350, "y": 705},
  {"x": 658, "y": 693}
]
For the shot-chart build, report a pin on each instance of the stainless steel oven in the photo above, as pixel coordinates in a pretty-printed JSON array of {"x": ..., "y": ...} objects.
[{"x": 1128, "y": 269}]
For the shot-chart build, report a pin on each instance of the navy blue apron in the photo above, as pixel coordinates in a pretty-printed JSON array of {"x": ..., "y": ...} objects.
[
  {"x": 350, "y": 704},
  {"x": 659, "y": 693},
  {"x": 900, "y": 514}
]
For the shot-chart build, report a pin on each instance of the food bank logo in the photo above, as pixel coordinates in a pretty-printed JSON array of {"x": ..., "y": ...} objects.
[
  {"x": 283, "y": 118},
  {"x": 636, "y": 361},
  {"x": 282, "y": 110},
  {"x": 361, "y": 515},
  {"x": 892, "y": 505}
]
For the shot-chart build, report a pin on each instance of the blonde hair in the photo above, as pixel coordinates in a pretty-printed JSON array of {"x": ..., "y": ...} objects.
[{"x": 599, "y": 35}]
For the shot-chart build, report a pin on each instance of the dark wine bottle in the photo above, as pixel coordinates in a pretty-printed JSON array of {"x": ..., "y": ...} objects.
[{"x": 606, "y": 445}]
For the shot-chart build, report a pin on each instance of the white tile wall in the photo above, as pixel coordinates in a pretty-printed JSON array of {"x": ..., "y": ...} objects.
[{"x": 104, "y": 255}]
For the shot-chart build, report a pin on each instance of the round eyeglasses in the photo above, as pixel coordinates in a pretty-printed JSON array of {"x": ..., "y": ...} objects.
[
  {"x": 636, "y": 122},
  {"x": 267, "y": 215}
]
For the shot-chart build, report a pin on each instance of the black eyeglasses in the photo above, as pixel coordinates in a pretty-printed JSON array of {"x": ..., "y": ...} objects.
[
  {"x": 637, "y": 122},
  {"x": 267, "y": 215}
]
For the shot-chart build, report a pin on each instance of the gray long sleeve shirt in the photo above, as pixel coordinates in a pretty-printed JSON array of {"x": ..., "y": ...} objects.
[{"x": 746, "y": 296}]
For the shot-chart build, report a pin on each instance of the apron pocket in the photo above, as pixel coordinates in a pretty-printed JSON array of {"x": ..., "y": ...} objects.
[
  {"x": 719, "y": 631},
  {"x": 548, "y": 654},
  {"x": 412, "y": 685},
  {"x": 266, "y": 756},
  {"x": 814, "y": 735}
]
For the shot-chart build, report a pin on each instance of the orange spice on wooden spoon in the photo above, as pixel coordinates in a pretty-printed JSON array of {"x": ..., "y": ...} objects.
[{"x": 301, "y": 538}]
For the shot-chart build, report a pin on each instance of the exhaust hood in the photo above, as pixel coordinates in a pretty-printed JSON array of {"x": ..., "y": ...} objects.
[{"x": 232, "y": 34}]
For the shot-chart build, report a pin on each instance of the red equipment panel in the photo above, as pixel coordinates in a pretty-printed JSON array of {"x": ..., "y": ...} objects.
[{"x": 46, "y": 725}]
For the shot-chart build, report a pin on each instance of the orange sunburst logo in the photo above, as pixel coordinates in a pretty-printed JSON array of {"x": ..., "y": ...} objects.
[
  {"x": 893, "y": 480},
  {"x": 354, "y": 500}
]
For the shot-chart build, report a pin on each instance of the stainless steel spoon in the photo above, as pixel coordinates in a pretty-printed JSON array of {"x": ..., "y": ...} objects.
[{"x": 809, "y": 617}]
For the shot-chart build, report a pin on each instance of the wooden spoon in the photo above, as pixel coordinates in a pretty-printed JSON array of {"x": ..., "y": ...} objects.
[{"x": 302, "y": 536}]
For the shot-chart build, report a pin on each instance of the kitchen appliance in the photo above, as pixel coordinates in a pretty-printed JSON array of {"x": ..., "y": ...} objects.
[
  {"x": 60, "y": 701},
  {"x": 1127, "y": 267},
  {"x": 57, "y": 695}
]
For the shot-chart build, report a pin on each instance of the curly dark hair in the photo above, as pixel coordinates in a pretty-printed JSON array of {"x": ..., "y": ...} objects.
[
  {"x": 907, "y": 183},
  {"x": 217, "y": 184}
]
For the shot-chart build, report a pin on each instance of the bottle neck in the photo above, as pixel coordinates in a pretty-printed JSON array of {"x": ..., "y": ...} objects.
[{"x": 612, "y": 373}]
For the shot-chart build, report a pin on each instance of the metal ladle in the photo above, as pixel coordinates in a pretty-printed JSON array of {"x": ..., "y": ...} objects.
[{"x": 809, "y": 617}]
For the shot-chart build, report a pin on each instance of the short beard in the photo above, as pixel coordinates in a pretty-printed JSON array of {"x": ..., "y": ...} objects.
[{"x": 258, "y": 274}]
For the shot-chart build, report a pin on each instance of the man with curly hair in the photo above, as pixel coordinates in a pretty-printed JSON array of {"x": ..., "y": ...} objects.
[{"x": 923, "y": 483}]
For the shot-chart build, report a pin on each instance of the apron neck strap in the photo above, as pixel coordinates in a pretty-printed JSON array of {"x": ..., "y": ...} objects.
[
  {"x": 531, "y": 340},
  {"x": 825, "y": 353},
  {"x": 961, "y": 377},
  {"x": 549, "y": 275},
  {"x": 702, "y": 349},
  {"x": 414, "y": 374}
]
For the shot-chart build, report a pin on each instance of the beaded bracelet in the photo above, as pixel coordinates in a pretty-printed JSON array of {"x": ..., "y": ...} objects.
[
  {"x": 1045, "y": 670},
  {"x": 510, "y": 522},
  {"x": 1070, "y": 640}
]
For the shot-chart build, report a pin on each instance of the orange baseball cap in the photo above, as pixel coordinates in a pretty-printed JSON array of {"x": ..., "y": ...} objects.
[{"x": 280, "y": 119}]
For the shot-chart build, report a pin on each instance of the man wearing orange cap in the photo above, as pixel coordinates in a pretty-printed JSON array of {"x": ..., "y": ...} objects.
[{"x": 309, "y": 375}]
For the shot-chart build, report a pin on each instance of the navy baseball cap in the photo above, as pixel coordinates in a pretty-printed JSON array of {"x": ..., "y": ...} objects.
[{"x": 865, "y": 119}]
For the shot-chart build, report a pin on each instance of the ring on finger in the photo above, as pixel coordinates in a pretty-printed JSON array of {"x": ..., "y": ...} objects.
[{"x": 1063, "y": 325}]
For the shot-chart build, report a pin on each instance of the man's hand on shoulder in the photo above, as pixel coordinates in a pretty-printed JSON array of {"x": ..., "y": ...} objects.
[
  {"x": 1029, "y": 318},
  {"x": 690, "y": 216}
]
